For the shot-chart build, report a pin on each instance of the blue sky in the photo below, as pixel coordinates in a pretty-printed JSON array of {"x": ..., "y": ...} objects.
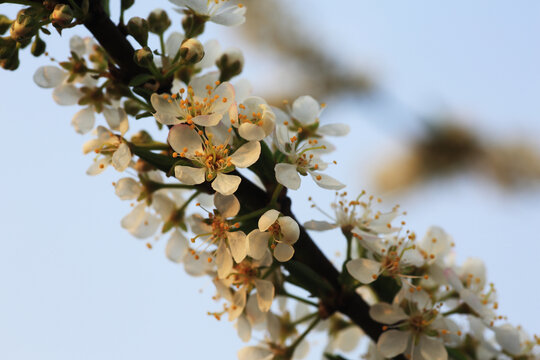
[{"x": 76, "y": 285}]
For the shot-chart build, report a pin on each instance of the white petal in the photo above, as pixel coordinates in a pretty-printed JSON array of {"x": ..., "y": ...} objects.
[
  {"x": 140, "y": 223},
  {"x": 83, "y": 121},
  {"x": 227, "y": 205},
  {"x": 197, "y": 267},
  {"x": 252, "y": 311},
  {"x": 257, "y": 244},
  {"x": 190, "y": 175},
  {"x": 98, "y": 166},
  {"x": 265, "y": 294},
  {"x": 183, "y": 137},
  {"x": 387, "y": 313},
  {"x": 392, "y": 343},
  {"x": 230, "y": 16},
  {"x": 49, "y": 76},
  {"x": 198, "y": 6},
  {"x": 251, "y": 131},
  {"x": 77, "y": 45},
  {"x": 226, "y": 184},
  {"x": 436, "y": 242},
  {"x": 255, "y": 353},
  {"x": 305, "y": 109},
  {"x": 267, "y": 219},
  {"x": 334, "y": 129},
  {"x": 200, "y": 83},
  {"x": 239, "y": 303},
  {"x": 212, "y": 50},
  {"x": 224, "y": 261},
  {"x": 364, "y": 270},
  {"x": 432, "y": 349},
  {"x": 243, "y": 328},
  {"x": 208, "y": 120},
  {"x": 121, "y": 157},
  {"x": 127, "y": 188},
  {"x": 242, "y": 89},
  {"x": 287, "y": 176},
  {"x": 115, "y": 117},
  {"x": 66, "y": 94},
  {"x": 289, "y": 229},
  {"x": 176, "y": 247},
  {"x": 508, "y": 338},
  {"x": 319, "y": 225},
  {"x": 326, "y": 181},
  {"x": 167, "y": 112},
  {"x": 238, "y": 244},
  {"x": 247, "y": 154},
  {"x": 283, "y": 252},
  {"x": 173, "y": 43},
  {"x": 225, "y": 91}
]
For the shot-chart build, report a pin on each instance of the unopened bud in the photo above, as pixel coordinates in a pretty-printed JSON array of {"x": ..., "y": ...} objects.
[
  {"x": 38, "y": 46},
  {"x": 142, "y": 137},
  {"x": 138, "y": 28},
  {"x": 8, "y": 46},
  {"x": 62, "y": 15},
  {"x": 230, "y": 64},
  {"x": 144, "y": 56},
  {"x": 132, "y": 107},
  {"x": 193, "y": 25},
  {"x": 11, "y": 63},
  {"x": 192, "y": 51},
  {"x": 126, "y": 4},
  {"x": 158, "y": 21},
  {"x": 5, "y": 23},
  {"x": 25, "y": 25}
]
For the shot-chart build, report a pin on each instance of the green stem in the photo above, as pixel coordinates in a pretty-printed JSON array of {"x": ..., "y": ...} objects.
[
  {"x": 348, "y": 236},
  {"x": 190, "y": 199},
  {"x": 304, "y": 318},
  {"x": 142, "y": 103},
  {"x": 164, "y": 59},
  {"x": 311, "y": 326},
  {"x": 270, "y": 270},
  {"x": 275, "y": 195},
  {"x": 154, "y": 145},
  {"x": 305, "y": 301},
  {"x": 251, "y": 215},
  {"x": 158, "y": 186}
]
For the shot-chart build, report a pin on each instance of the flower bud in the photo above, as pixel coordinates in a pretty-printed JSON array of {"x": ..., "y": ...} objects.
[
  {"x": 126, "y": 4},
  {"x": 192, "y": 51},
  {"x": 8, "y": 46},
  {"x": 141, "y": 138},
  {"x": 158, "y": 21},
  {"x": 38, "y": 47},
  {"x": 132, "y": 107},
  {"x": 193, "y": 25},
  {"x": 5, "y": 23},
  {"x": 138, "y": 28},
  {"x": 11, "y": 63},
  {"x": 143, "y": 57},
  {"x": 62, "y": 15},
  {"x": 230, "y": 64},
  {"x": 24, "y": 26}
]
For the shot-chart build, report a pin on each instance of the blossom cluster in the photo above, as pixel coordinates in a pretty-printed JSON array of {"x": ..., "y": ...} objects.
[{"x": 192, "y": 187}]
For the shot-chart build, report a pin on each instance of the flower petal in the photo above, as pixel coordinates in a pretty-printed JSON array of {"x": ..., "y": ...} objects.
[
  {"x": 225, "y": 91},
  {"x": 289, "y": 229},
  {"x": 257, "y": 244},
  {"x": 238, "y": 244},
  {"x": 121, "y": 157},
  {"x": 287, "y": 176},
  {"x": 230, "y": 16},
  {"x": 49, "y": 76},
  {"x": 392, "y": 343},
  {"x": 190, "y": 175},
  {"x": 251, "y": 131},
  {"x": 127, "y": 188},
  {"x": 177, "y": 247},
  {"x": 334, "y": 129},
  {"x": 173, "y": 43},
  {"x": 247, "y": 154},
  {"x": 114, "y": 117},
  {"x": 255, "y": 353},
  {"x": 267, "y": 219},
  {"x": 224, "y": 261},
  {"x": 226, "y": 184},
  {"x": 227, "y": 205},
  {"x": 182, "y": 137},
  {"x": 83, "y": 121},
  {"x": 386, "y": 313},
  {"x": 432, "y": 349},
  {"x": 283, "y": 252},
  {"x": 326, "y": 181},
  {"x": 66, "y": 94},
  {"x": 243, "y": 328},
  {"x": 305, "y": 109},
  {"x": 208, "y": 120},
  {"x": 364, "y": 270},
  {"x": 319, "y": 225},
  {"x": 212, "y": 50},
  {"x": 265, "y": 294}
]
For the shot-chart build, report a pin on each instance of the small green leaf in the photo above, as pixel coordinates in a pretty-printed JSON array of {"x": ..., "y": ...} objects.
[{"x": 140, "y": 79}]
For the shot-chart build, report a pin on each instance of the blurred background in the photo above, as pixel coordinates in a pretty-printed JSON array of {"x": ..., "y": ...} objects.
[{"x": 442, "y": 101}]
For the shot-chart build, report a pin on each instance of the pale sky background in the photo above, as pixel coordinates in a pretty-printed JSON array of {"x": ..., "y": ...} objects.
[{"x": 75, "y": 285}]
